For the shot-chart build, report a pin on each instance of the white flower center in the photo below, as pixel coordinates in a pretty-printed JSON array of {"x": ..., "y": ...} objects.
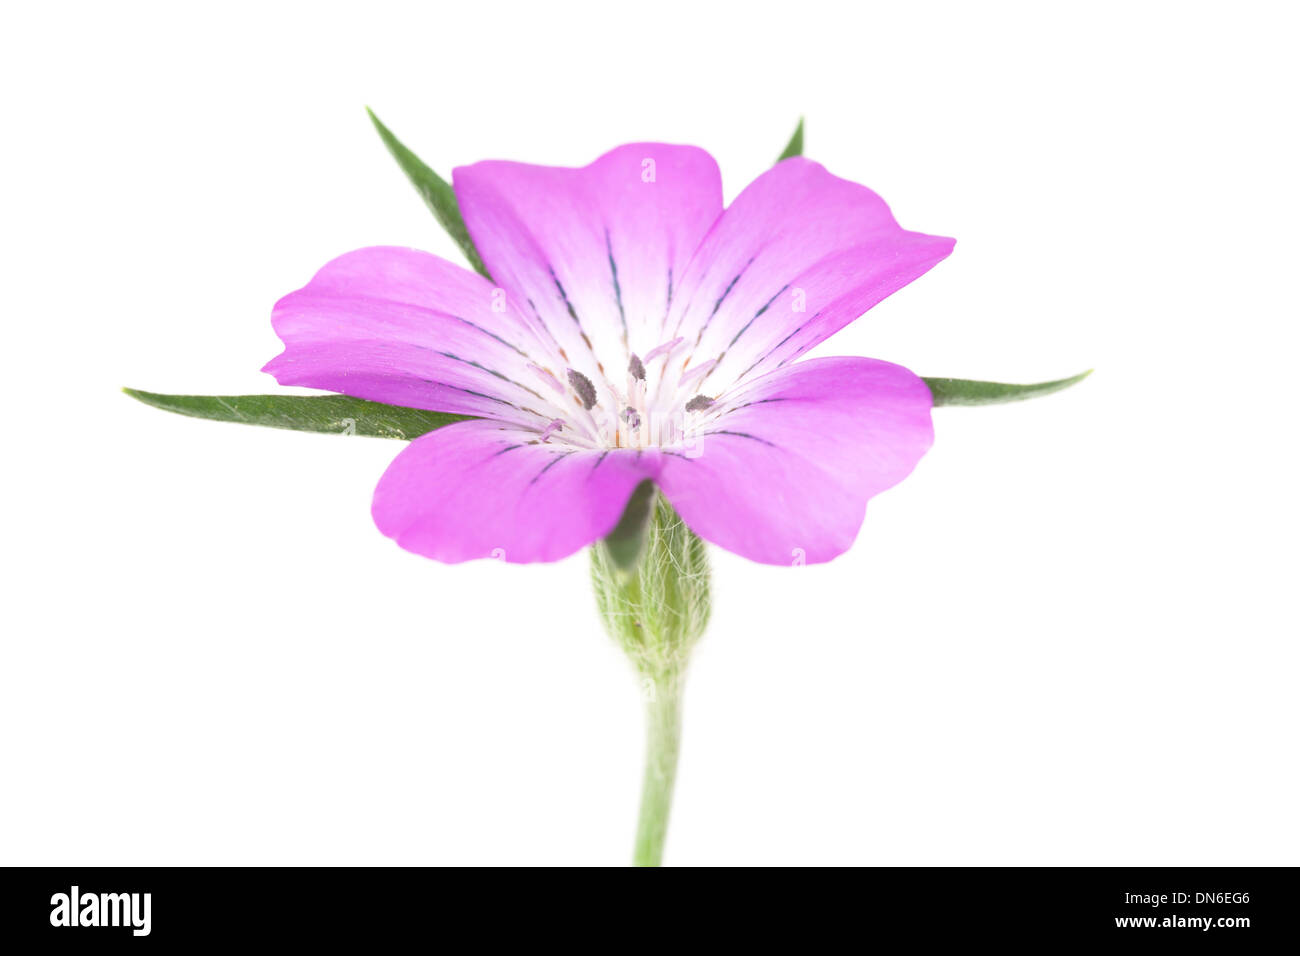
[{"x": 658, "y": 406}]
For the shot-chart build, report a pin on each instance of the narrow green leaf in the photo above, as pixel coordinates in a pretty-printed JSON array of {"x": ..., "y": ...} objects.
[
  {"x": 337, "y": 414},
  {"x": 435, "y": 191},
  {"x": 961, "y": 391},
  {"x": 795, "y": 146},
  {"x": 627, "y": 540}
]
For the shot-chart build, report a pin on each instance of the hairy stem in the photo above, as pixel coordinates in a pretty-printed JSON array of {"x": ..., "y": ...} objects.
[{"x": 663, "y": 737}]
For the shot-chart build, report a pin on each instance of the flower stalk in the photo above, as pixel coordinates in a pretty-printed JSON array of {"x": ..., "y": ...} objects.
[
  {"x": 656, "y": 608},
  {"x": 663, "y": 741}
]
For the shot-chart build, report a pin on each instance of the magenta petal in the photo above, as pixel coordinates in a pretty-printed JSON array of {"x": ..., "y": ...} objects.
[
  {"x": 596, "y": 251},
  {"x": 479, "y": 489},
  {"x": 402, "y": 326},
  {"x": 798, "y": 255},
  {"x": 785, "y": 469}
]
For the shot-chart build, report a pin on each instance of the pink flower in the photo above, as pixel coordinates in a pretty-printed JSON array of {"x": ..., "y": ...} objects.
[{"x": 633, "y": 329}]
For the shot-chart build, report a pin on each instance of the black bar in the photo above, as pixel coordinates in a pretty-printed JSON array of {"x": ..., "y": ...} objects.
[{"x": 1227, "y": 908}]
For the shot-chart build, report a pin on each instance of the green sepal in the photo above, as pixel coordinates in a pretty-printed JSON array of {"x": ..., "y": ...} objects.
[
  {"x": 435, "y": 191},
  {"x": 626, "y": 542},
  {"x": 335, "y": 414},
  {"x": 659, "y": 608},
  {"x": 795, "y": 146},
  {"x": 963, "y": 391}
]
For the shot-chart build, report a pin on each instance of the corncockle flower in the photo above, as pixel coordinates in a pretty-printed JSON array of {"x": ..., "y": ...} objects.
[
  {"x": 631, "y": 377},
  {"x": 757, "y": 452}
]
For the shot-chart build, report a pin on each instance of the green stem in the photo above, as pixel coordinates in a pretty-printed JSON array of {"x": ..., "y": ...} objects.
[
  {"x": 651, "y": 579},
  {"x": 663, "y": 736}
]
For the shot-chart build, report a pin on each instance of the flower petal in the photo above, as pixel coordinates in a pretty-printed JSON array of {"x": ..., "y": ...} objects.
[
  {"x": 405, "y": 327},
  {"x": 479, "y": 489},
  {"x": 797, "y": 256},
  {"x": 595, "y": 251},
  {"x": 785, "y": 467}
]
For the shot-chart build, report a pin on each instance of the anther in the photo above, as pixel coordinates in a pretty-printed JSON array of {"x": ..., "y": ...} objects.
[
  {"x": 699, "y": 403},
  {"x": 582, "y": 386},
  {"x": 636, "y": 368}
]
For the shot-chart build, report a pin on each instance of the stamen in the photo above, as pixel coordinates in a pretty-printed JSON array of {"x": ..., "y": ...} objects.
[
  {"x": 664, "y": 349},
  {"x": 699, "y": 371},
  {"x": 555, "y": 426},
  {"x": 699, "y": 403},
  {"x": 582, "y": 386},
  {"x": 547, "y": 377},
  {"x": 636, "y": 368}
]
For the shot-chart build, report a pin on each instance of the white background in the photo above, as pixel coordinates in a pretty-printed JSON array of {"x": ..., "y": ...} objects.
[{"x": 1069, "y": 638}]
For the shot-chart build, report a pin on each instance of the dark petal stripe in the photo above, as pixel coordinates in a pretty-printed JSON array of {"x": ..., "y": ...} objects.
[
  {"x": 559, "y": 287},
  {"x": 490, "y": 334},
  {"x": 565, "y": 296},
  {"x": 618, "y": 292},
  {"x": 724, "y": 431},
  {"x": 717, "y": 360},
  {"x": 726, "y": 292},
  {"x": 551, "y": 464},
  {"x": 483, "y": 395},
  {"x": 493, "y": 372},
  {"x": 767, "y": 305},
  {"x": 775, "y": 348}
]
